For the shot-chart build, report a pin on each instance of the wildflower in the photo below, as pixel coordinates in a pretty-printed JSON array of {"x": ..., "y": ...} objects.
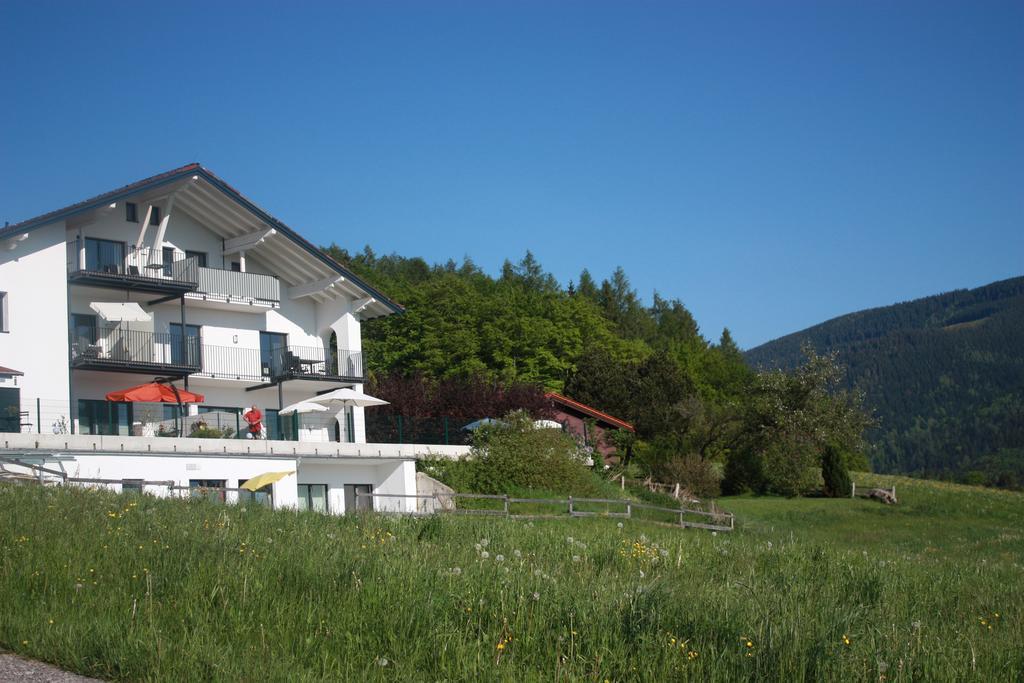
[
  {"x": 485, "y": 542},
  {"x": 536, "y": 595},
  {"x": 499, "y": 558},
  {"x": 846, "y": 640},
  {"x": 575, "y": 558},
  {"x": 517, "y": 554},
  {"x": 382, "y": 661},
  {"x": 478, "y": 547},
  {"x": 456, "y": 571},
  {"x": 664, "y": 552},
  {"x": 713, "y": 533},
  {"x": 619, "y": 525},
  {"x": 484, "y": 554},
  {"x": 501, "y": 645},
  {"x": 538, "y": 573},
  {"x": 79, "y": 586},
  {"x": 750, "y": 644},
  {"x": 569, "y": 539}
]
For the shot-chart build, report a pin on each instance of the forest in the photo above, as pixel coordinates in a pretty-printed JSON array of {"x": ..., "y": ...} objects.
[
  {"x": 468, "y": 342},
  {"x": 944, "y": 375}
]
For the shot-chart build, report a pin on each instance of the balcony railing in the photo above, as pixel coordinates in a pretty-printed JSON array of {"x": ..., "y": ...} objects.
[
  {"x": 106, "y": 262},
  {"x": 115, "y": 347},
  {"x": 293, "y": 362},
  {"x": 234, "y": 285}
]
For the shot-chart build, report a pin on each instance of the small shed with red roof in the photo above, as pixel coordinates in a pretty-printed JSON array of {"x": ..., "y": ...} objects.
[{"x": 586, "y": 423}]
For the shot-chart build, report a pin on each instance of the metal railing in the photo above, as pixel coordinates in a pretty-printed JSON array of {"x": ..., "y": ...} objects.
[
  {"x": 716, "y": 520},
  {"x": 231, "y": 362},
  {"x": 233, "y": 285},
  {"x": 117, "y": 345},
  {"x": 109, "y": 258}
]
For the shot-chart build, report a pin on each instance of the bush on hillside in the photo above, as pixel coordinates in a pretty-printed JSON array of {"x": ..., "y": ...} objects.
[
  {"x": 698, "y": 476},
  {"x": 834, "y": 473},
  {"x": 511, "y": 454}
]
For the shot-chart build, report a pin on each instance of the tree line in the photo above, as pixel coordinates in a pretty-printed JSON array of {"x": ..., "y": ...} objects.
[{"x": 702, "y": 415}]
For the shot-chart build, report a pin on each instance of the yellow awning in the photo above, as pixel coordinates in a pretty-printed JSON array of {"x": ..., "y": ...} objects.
[{"x": 261, "y": 480}]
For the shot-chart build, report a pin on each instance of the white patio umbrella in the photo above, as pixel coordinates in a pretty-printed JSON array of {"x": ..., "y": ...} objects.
[
  {"x": 546, "y": 424},
  {"x": 303, "y": 407},
  {"x": 348, "y": 397},
  {"x": 473, "y": 426}
]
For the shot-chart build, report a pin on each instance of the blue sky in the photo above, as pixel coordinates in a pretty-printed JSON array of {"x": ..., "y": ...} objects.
[{"x": 771, "y": 164}]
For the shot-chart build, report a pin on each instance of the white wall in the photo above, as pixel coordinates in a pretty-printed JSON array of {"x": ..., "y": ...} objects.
[
  {"x": 181, "y": 469},
  {"x": 34, "y": 275},
  {"x": 387, "y": 477}
]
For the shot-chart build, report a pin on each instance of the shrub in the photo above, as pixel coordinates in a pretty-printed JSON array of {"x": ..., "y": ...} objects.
[
  {"x": 834, "y": 473},
  {"x": 693, "y": 473},
  {"x": 510, "y": 455}
]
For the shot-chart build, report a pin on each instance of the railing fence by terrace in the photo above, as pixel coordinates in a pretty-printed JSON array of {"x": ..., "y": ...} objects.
[{"x": 571, "y": 506}]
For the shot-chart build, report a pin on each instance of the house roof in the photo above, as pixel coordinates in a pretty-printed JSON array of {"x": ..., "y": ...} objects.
[
  {"x": 219, "y": 189},
  {"x": 9, "y": 372},
  {"x": 592, "y": 412}
]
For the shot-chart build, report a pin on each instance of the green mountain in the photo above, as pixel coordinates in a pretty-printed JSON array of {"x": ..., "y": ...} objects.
[{"x": 944, "y": 374}]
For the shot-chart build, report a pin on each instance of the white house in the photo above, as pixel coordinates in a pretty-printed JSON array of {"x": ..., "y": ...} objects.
[{"x": 180, "y": 278}]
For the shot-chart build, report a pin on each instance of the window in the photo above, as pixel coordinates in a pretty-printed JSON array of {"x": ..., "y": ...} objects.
[
  {"x": 313, "y": 497},
  {"x": 236, "y": 266},
  {"x": 168, "y": 258},
  {"x": 281, "y": 427},
  {"x": 131, "y": 486},
  {"x": 356, "y": 503},
  {"x": 186, "y": 351},
  {"x": 3, "y": 312},
  {"x": 272, "y": 348},
  {"x": 83, "y": 331},
  {"x": 131, "y": 212},
  {"x": 104, "y": 256},
  {"x": 104, "y": 417},
  {"x": 154, "y": 216},
  {"x": 211, "y": 489},
  {"x": 199, "y": 256},
  {"x": 261, "y": 496},
  {"x": 10, "y": 410}
]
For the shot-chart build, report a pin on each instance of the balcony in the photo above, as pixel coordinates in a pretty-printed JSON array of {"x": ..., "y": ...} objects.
[
  {"x": 277, "y": 364},
  {"x": 116, "y": 349},
  {"x": 232, "y": 287},
  {"x": 106, "y": 263}
]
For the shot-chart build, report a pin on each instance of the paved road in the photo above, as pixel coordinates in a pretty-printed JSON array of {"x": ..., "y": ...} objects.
[{"x": 16, "y": 669}]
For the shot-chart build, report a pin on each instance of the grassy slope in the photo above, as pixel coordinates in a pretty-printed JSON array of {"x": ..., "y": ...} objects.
[{"x": 165, "y": 590}]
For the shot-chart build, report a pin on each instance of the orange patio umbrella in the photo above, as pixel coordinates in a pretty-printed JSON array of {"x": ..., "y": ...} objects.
[{"x": 155, "y": 392}]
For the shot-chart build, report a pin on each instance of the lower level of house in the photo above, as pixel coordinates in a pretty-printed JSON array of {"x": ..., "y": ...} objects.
[{"x": 328, "y": 478}]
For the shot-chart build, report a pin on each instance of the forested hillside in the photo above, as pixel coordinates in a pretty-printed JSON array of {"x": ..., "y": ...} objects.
[
  {"x": 945, "y": 375},
  {"x": 702, "y": 416}
]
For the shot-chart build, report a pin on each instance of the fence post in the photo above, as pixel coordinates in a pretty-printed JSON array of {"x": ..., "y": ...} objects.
[
  {"x": 676, "y": 494},
  {"x": 732, "y": 521},
  {"x": 570, "y": 505},
  {"x": 629, "y": 510},
  {"x": 506, "y": 504},
  {"x": 853, "y": 489},
  {"x": 39, "y": 418},
  {"x": 680, "y": 518},
  {"x": 622, "y": 480}
]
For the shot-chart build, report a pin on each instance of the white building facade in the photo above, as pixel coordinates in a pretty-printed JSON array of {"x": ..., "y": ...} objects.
[{"x": 179, "y": 278}]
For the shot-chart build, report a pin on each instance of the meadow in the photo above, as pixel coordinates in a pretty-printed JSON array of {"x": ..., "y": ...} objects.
[{"x": 136, "y": 588}]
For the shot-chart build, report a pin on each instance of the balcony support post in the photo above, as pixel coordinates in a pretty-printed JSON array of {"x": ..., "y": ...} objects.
[
  {"x": 184, "y": 338},
  {"x": 145, "y": 226}
]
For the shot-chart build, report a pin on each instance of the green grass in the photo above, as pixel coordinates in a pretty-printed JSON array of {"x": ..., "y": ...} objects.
[{"x": 144, "y": 589}]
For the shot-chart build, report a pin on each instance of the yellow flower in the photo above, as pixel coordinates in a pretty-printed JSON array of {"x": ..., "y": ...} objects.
[
  {"x": 501, "y": 645},
  {"x": 750, "y": 644}
]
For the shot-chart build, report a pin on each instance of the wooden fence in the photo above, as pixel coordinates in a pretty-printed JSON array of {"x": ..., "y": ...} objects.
[
  {"x": 884, "y": 495},
  {"x": 674, "y": 490},
  {"x": 444, "y": 503}
]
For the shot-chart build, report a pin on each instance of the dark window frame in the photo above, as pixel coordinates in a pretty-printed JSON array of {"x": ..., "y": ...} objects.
[
  {"x": 4, "y": 316},
  {"x": 131, "y": 212},
  {"x": 154, "y": 216},
  {"x": 201, "y": 257}
]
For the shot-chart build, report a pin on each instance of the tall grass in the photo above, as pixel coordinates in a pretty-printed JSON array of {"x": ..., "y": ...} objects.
[{"x": 135, "y": 588}]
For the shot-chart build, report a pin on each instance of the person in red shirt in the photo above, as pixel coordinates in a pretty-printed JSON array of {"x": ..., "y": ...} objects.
[{"x": 255, "y": 419}]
